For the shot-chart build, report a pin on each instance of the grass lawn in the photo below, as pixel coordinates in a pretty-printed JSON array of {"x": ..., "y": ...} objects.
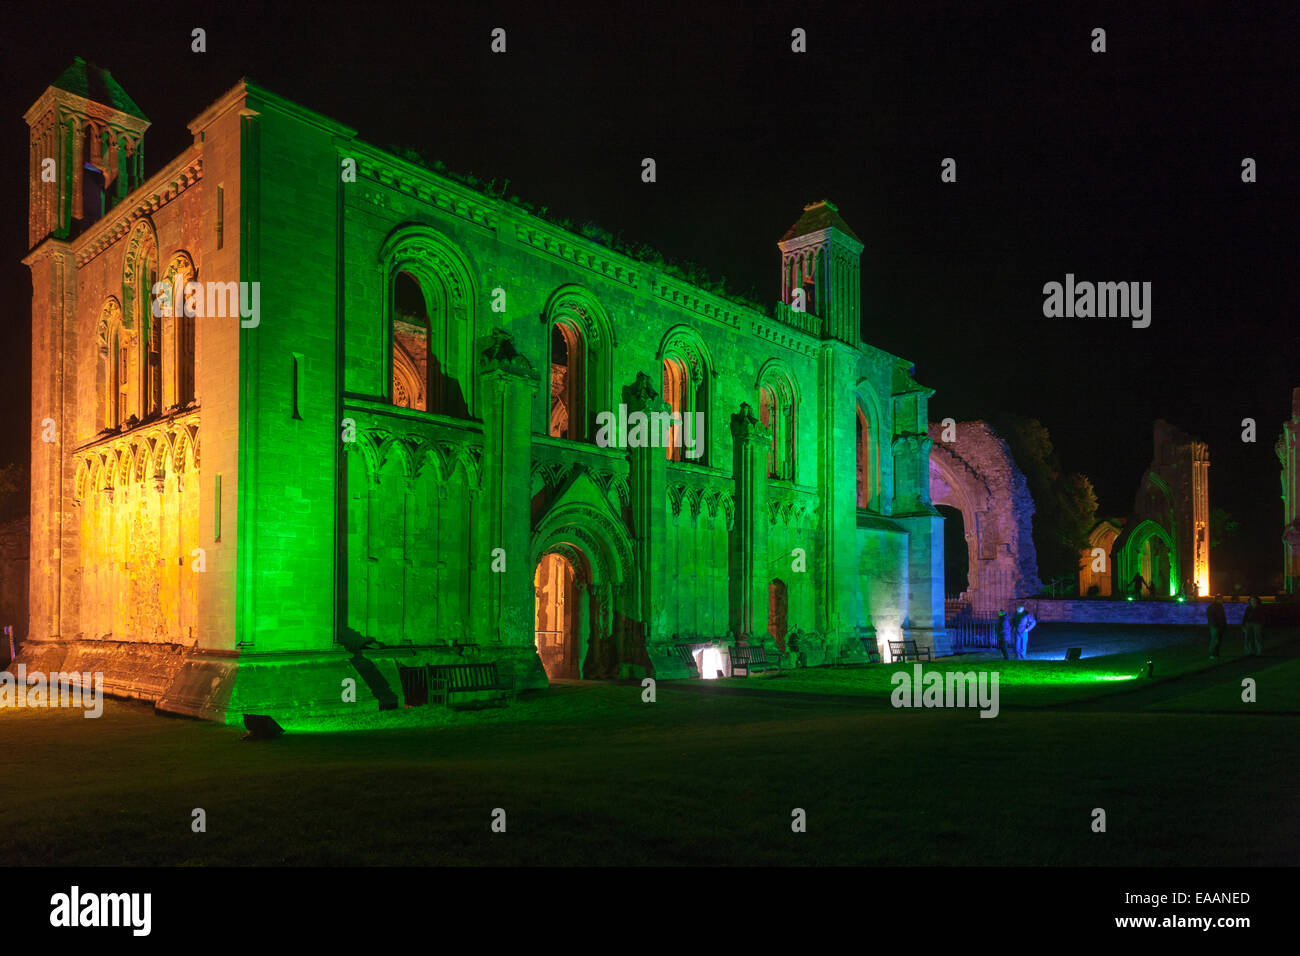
[{"x": 589, "y": 774}]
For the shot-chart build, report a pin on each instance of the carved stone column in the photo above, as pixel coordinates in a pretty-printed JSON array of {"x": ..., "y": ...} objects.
[
  {"x": 748, "y": 545},
  {"x": 503, "y": 610},
  {"x": 648, "y": 489}
]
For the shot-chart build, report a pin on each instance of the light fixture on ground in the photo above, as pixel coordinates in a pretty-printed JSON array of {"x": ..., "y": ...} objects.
[{"x": 261, "y": 727}]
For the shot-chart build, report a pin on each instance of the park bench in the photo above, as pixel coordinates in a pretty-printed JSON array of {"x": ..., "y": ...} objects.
[
  {"x": 687, "y": 654},
  {"x": 751, "y": 657},
  {"x": 907, "y": 651},
  {"x": 870, "y": 648},
  {"x": 446, "y": 680}
]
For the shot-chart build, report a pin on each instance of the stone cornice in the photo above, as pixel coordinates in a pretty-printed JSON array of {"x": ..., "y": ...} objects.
[
  {"x": 54, "y": 98},
  {"x": 380, "y": 167}
]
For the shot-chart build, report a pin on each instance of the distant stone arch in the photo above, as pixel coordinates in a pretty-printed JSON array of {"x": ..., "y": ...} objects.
[
  {"x": 976, "y": 475},
  {"x": 1150, "y": 551},
  {"x": 1096, "y": 563},
  {"x": 1173, "y": 497}
]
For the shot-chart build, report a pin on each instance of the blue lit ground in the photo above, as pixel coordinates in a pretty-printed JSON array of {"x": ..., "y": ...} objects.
[{"x": 588, "y": 774}]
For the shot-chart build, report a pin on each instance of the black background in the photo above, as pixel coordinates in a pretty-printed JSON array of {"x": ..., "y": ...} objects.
[{"x": 1123, "y": 166}]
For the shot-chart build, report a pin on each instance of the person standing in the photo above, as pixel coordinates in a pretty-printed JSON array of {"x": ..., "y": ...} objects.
[
  {"x": 1218, "y": 621},
  {"x": 1137, "y": 584},
  {"x": 1022, "y": 624},
  {"x": 1003, "y": 628},
  {"x": 1253, "y": 627}
]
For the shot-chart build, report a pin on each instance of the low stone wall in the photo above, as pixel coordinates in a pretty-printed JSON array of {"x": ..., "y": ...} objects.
[{"x": 1065, "y": 610}]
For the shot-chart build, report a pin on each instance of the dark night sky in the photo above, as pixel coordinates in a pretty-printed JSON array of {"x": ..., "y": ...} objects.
[{"x": 1122, "y": 166}]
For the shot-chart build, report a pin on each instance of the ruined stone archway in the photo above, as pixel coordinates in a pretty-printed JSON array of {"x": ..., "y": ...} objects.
[
  {"x": 975, "y": 474},
  {"x": 1150, "y": 551}
]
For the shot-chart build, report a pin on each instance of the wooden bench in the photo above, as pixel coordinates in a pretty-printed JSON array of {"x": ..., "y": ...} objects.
[
  {"x": 907, "y": 651},
  {"x": 446, "y": 680},
  {"x": 687, "y": 654},
  {"x": 751, "y": 657},
  {"x": 870, "y": 648}
]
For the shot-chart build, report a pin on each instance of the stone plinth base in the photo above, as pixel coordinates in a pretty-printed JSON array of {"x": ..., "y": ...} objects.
[
  {"x": 142, "y": 671},
  {"x": 224, "y": 685}
]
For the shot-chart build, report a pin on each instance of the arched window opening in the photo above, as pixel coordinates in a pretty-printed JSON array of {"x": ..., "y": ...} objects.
[
  {"x": 677, "y": 395},
  {"x": 568, "y": 412},
  {"x": 121, "y": 380},
  {"x": 411, "y": 359},
  {"x": 776, "y": 412},
  {"x": 93, "y": 182},
  {"x": 866, "y": 486},
  {"x": 178, "y": 334},
  {"x": 150, "y": 328},
  {"x": 686, "y": 374}
]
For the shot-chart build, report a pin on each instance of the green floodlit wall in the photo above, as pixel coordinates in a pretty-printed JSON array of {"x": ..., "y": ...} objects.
[
  {"x": 288, "y": 232},
  {"x": 391, "y": 539}
]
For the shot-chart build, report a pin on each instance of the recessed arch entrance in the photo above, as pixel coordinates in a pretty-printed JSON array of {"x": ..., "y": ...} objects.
[
  {"x": 562, "y": 611},
  {"x": 602, "y": 609}
]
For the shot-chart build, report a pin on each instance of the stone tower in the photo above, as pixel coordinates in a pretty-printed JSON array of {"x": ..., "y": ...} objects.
[
  {"x": 86, "y": 136},
  {"x": 86, "y": 146},
  {"x": 820, "y": 271}
]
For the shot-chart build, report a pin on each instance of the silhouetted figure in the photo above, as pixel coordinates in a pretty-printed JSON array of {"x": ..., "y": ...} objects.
[
  {"x": 1253, "y": 627},
  {"x": 1137, "y": 584},
  {"x": 1021, "y": 625},
  {"x": 1218, "y": 621},
  {"x": 1003, "y": 628}
]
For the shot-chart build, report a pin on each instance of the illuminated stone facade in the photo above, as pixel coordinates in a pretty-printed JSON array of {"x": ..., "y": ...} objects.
[{"x": 405, "y": 455}]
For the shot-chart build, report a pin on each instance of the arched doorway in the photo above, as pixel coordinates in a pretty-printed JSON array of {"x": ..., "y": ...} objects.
[{"x": 560, "y": 624}]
